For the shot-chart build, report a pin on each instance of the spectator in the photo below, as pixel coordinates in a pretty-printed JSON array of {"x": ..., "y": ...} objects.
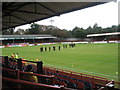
[
  {"x": 13, "y": 55},
  {"x": 16, "y": 56},
  {"x": 24, "y": 62},
  {"x": 36, "y": 59},
  {"x": 30, "y": 77}
]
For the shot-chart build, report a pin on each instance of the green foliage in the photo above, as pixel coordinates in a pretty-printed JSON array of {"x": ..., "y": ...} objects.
[
  {"x": 62, "y": 33},
  {"x": 34, "y": 29},
  {"x": 118, "y": 29},
  {"x": 82, "y": 33},
  {"x": 79, "y": 32},
  {"x": 8, "y": 31}
]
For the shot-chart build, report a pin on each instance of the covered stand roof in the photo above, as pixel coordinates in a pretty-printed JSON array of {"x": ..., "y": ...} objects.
[
  {"x": 19, "y": 13},
  {"x": 43, "y": 36},
  {"x": 103, "y": 34}
]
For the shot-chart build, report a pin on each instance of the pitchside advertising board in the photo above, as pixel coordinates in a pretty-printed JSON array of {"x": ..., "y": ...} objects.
[{"x": 25, "y": 44}]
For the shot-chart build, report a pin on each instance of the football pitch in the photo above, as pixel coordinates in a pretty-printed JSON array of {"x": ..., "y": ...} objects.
[{"x": 93, "y": 59}]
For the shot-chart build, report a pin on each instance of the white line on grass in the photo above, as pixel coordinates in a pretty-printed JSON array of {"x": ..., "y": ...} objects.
[{"x": 82, "y": 71}]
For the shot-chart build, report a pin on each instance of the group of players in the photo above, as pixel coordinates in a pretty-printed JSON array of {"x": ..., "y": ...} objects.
[{"x": 54, "y": 48}]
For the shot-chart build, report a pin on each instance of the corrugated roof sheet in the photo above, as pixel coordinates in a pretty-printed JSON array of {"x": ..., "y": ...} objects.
[
  {"x": 19, "y": 13},
  {"x": 43, "y": 36}
]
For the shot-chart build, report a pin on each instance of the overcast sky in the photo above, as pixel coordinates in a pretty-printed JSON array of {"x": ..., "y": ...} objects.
[{"x": 104, "y": 15}]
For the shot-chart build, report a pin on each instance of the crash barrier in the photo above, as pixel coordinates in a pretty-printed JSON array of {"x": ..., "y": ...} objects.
[
  {"x": 41, "y": 80},
  {"x": 17, "y": 74},
  {"x": 88, "y": 80},
  {"x": 14, "y": 79},
  {"x": 21, "y": 84}
]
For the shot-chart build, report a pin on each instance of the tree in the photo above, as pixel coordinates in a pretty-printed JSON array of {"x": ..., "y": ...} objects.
[
  {"x": 34, "y": 29},
  {"x": 114, "y": 28},
  {"x": 89, "y": 30},
  {"x": 79, "y": 32},
  {"x": 107, "y": 30},
  {"x": 8, "y": 31},
  {"x": 95, "y": 29},
  {"x": 118, "y": 29},
  {"x": 11, "y": 30},
  {"x": 55, "y": 31}
]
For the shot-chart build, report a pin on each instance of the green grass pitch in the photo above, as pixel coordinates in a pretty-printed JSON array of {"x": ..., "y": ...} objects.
[{"x": 92, "y": 59}]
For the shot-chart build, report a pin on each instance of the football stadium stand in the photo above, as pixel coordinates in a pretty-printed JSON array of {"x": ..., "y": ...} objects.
[
  {"x": 14, "y": 71},
  {"x": 16, "y": 39},
  {"x": 105, "y": 37}
]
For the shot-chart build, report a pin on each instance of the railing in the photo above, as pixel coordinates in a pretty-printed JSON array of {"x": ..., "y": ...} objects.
[
  {"x": 18, "y": 73},
  {"x": 85, "y": 77},
  {"x": 22, "y": 82},
  {"x": 19, "y": 80},
  {"x": 75, "y": 73},
  {"x": 80, "y": 76},
  {"x": 90, "y": 78}
]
